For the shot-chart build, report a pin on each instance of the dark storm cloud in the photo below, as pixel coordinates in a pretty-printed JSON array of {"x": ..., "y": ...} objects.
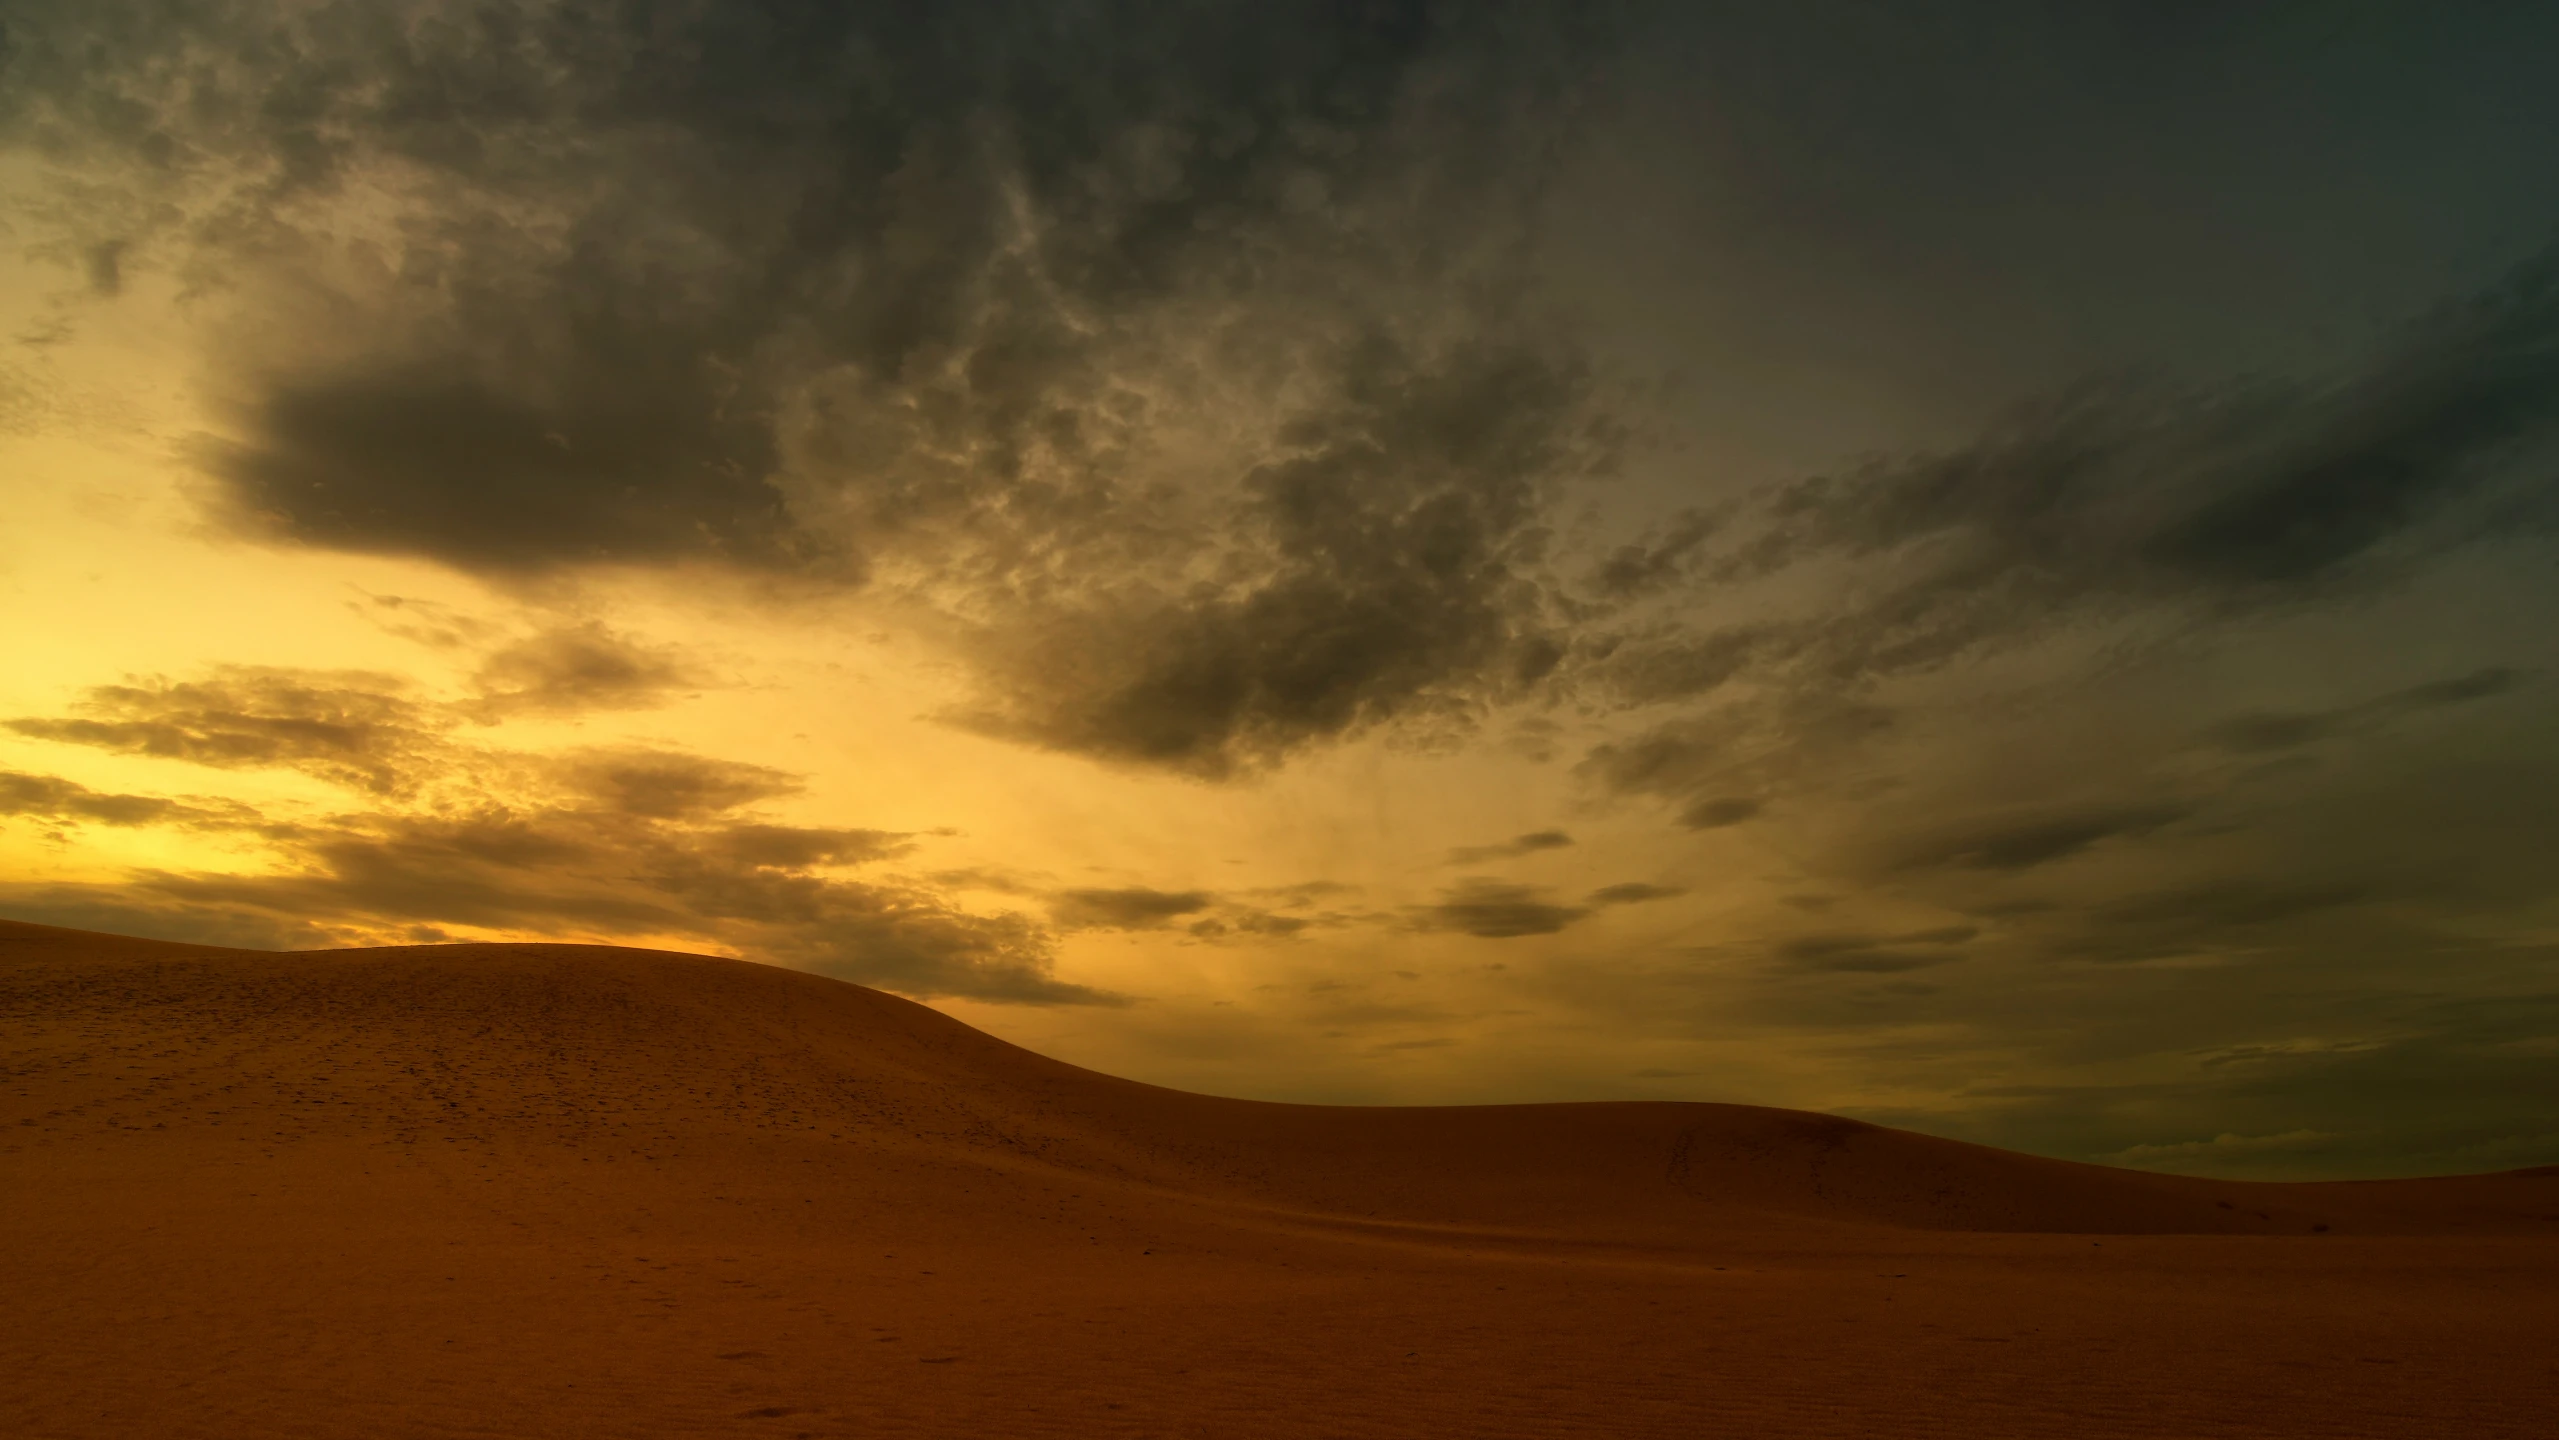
[
  {"x": 1497, "y": 911},
  {"x": 1517, "y": 845},
  {"x": 836, "y": 288},
  {"x": 731, "y": 198},
  {"x": 604, "y": 843},
  {"x": 880, "y": 187}
]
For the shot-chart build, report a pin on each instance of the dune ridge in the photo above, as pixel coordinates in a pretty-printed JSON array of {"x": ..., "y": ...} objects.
[{"x": 250, "y": 1191}]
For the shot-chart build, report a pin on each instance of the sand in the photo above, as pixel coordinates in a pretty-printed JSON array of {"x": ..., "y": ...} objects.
[{"x": 542, "y": 1190}]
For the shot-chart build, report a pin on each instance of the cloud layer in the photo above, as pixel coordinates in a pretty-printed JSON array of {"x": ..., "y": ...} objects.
[{"x": 460, "y": 837}]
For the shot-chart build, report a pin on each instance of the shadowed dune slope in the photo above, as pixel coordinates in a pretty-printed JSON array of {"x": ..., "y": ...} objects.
[{"x": 568, "y": 1045}]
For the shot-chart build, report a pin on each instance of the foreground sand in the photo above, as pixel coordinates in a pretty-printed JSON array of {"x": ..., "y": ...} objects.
[{"x": 561, "y": 1190}]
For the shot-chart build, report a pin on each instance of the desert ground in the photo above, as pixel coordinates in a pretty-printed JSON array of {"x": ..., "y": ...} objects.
[{"x": 556, "y": 1190}]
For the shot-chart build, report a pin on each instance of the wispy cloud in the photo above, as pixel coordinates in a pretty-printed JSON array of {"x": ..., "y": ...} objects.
[
  {"x": 1518, "y": 845},
  {"x": 605, "y": 842}
]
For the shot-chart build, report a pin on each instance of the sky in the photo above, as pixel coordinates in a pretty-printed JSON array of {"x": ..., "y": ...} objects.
[{"x": 1989, "y": 567}]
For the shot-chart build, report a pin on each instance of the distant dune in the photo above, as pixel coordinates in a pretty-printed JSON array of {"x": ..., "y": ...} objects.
[{"x": 550, "y": 1190}]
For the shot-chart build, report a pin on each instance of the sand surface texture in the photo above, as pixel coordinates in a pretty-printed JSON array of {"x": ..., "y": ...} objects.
[{"x": 541, "y": 1190}]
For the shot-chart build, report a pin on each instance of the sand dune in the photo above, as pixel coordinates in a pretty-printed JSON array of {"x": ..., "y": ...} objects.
[{"x": 550, "y": 1190}]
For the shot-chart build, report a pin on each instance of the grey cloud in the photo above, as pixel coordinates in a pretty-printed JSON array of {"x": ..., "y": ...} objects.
[
  {"x": 909, "y": 941},
  {"x": 1725, "y": 766},
  {"x": 2022, "y": 842},
  {"x": 354, "y": 729},
  {"x": 1517, "y": 845},
  {"x": 1496, "y": 911},
  {"x": 2265, "y": 732},
  {"x": 1254, "y": 913},
  {"x": 1658, "y": 560},
  {"x": 373, "y": 733},
  {"x": 629, "y": 464},
  {"x": 1720, "y": 811},
  {"x": 104, "y": 264},
  {"x": 1872, "y": 962},
  {"x": 612, "y": 875},
  {"x": 1663, "y": 759},
  {"x": 603, "y": 843},
  {"x": 2268, "y": 731},
  {"x": 1263, "y": 922},
  {"x": 670, "y": 785},
  {"x": 1669, "y": 665},
  {"x": 578, "y": 668},
  {"x": 2219, "y": 915},
  {"x": 2460, "y": 690},
  {"x": 429, "y": 623},
  {"x": 1386, "y": 570},
  {"x": 2112, "y": 496},
  {"x": 2232, "y": 902},
  {"x": 498, "y": 869},
  {"x": 793, "y": 847},
  {"x": 47, "y": 797},
  {"x": 1135, "y": 908},
  {"x": 1304, "y": 893},
  {"x": 2449, "y": 1088},
  {"x": 2164, "y": 512},
  {"x": 1634, "y": 892},
  {"x": 1861, "y": 954},
  {"x": 1251, "y": 922},
  {"x": 124, "y": 910}
]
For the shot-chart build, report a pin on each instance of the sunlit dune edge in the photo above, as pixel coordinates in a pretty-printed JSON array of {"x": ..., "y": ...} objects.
[{"x": 564, "y": 1189}]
